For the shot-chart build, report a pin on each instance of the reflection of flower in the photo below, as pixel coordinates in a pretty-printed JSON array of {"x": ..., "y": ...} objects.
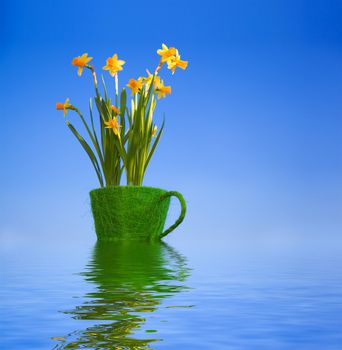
[
  {"x": 63, "y": 106},
  {"x": 81, "y": 62},
  {"x": 113, "y": 124},
  {"x": 113, "y": 64},
  {"x": 130, "y": 278}
]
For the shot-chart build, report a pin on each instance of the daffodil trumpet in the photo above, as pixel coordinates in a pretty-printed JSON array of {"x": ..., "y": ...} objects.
[{"x": 124, "y": 136}]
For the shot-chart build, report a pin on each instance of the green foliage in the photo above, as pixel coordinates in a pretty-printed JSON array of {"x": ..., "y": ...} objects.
[
  {"x": 140, "y": 144},
  {"x": 124, "y": 137},
  {"x": 131, "y": 150}
]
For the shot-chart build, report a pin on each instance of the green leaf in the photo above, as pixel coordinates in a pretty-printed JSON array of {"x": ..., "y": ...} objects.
[
  {"x": 104, "y": 87},
  {"x": 154, "y": 145},
  {"x": 88, "y": 150},
  {"x": 123, "y": 99},
  {"x": 92, "y": 137}
]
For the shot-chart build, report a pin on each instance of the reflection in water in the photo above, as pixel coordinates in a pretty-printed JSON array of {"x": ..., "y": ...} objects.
[{"x": 130, "y": 278}]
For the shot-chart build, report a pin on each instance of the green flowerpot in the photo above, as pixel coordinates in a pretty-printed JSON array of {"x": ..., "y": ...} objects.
[{"x": 132, "y": 212}]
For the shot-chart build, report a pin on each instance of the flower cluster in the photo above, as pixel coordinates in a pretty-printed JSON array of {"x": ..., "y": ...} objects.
[
  {"x": 172, "y": 58},
  {"x": 131, "y": 145}
]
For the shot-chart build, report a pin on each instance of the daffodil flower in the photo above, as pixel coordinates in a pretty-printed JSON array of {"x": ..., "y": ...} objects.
[
  {"x": 113, "y": 65},
  {"x": 175, "y": 62},
  {"x": 166, "y": 53},
  {"x": 162, "y": 90},
  {"x": 148, "y": 80},
  {"x": 154, "y": 131},
  {"x": 135, "y": 85},
  {"x": 81, "y": 62},
  {"x": 116, "y": 110},
  {"x": 63, "y": 106},
  {"x": 113, "y": 124},
  {"x": 121, "y": 148}
]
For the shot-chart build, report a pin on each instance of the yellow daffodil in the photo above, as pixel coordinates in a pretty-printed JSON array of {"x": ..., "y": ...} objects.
[
  {"x": 166, "y": 53},
  {"x": 175, "y": 62},
  {"x": 81, "y": 62},
  {"x": 162, "y": 90},
  {"x": 135, "y": 85},
  {"x": 154, "y": 131},
  {"x": 113, "y": 65},
  {"x": 63, "y": 106},
  {"x": 116, "y": 110},
  {"x": 113, "y": 124},
  {"x": 148, "y": 80}
]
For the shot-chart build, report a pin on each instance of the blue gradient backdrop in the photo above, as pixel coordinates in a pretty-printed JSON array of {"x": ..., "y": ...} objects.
[{"x": 253, "y": 127}]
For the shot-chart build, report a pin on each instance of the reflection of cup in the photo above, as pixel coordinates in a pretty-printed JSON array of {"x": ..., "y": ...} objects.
[
  {"x": 130, "y": 278},
  {"x": 132, "y": 212}
]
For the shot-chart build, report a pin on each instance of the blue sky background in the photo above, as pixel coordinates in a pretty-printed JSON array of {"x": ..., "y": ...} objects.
[{"x": 253, "y": 126}]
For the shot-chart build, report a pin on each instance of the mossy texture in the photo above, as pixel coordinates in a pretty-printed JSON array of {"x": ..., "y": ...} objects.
[{"x": 132, "y": 212}]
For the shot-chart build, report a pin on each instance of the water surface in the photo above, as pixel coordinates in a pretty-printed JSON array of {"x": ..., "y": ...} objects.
[{"x": 219, "y": 294}]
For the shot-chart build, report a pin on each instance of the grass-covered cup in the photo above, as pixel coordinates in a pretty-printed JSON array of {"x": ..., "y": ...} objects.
[{"x": 133, "y": 212}]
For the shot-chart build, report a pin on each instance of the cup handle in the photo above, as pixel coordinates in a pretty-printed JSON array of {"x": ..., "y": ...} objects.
[{"x": 182, "y": 214}]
